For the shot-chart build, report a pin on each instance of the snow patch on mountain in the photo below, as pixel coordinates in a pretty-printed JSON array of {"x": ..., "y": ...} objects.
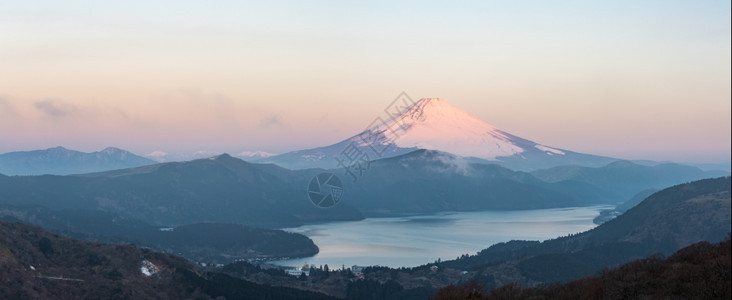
[
  {"x": 250, "y": 154},
  {"x": 148, "y": 268},
  {"x": 313, "y": 157},
  {"x": 549, "y": 150},
  {"x": 156, "y": 154},
  {"x": 113, "y": 150},
  {"x": 433, "y": 123},
  {"x": 204, "y": 154}
]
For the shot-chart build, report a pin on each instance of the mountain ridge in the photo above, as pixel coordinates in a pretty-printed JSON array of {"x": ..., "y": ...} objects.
[
  {"x": 220, "y": 189},
  {"x": 63, "y": 161},
  {"x": 226, "y": 189}
]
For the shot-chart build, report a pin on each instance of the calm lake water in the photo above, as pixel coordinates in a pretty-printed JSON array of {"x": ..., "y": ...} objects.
[{"x": 417, "y": 240}]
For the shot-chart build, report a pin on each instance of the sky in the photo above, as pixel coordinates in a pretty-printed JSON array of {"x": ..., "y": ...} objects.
[{"x": 626, "y": 79}]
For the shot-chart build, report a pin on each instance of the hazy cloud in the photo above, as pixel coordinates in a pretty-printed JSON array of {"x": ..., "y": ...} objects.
[
  {"x": 456, "y": 164},
  {"x": 272, "y": 121},
  {"x": 55, "y": 108},
  {"x": 220, "y": 104},
  {"x": 157, "y": 154},
  {"x": 451, "y": 163},
  {"x": 6, "y": 108}
]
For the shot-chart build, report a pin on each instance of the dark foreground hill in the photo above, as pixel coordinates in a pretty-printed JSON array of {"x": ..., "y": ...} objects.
[
  {"x": 699, "y": 271},
  {"x": 36, "y": 264},
  {"x": 609, "y": 214},
  {"x": 201, "y": 242}
]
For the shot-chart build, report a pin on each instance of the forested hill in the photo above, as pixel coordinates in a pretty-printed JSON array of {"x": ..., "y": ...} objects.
[
  {"x": 702, "y": 271},
  {"x": 200, "y": 242},
  {"x": 36, "y": 264}
]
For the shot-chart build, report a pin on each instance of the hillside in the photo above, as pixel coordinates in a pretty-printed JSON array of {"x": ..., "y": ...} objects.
[
  {"x": 201, "y": 242},
  {"x": 701, "y": 270},
  {"x": 609, "y": 214},
  {"x": 429, "y": 181},
  {"x": 36, "y": 264}
]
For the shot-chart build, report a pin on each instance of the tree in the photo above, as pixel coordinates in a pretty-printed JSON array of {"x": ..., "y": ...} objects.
[
  {"x": 45, "y": 246},
  {"x": 114, "y": 274}
]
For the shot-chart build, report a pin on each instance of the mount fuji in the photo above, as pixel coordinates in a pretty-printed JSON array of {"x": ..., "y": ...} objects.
[{"x": 435, "y": 124}]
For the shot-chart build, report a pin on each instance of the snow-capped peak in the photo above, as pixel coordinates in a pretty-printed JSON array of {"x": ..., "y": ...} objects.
[
  {"x": 261, "y": 154},
  {"x": 112, "y": 150},
  {"x": 156, "y": 154},
  {"x": 433, "y": 123},
  {"x": 436, "y": 124}
]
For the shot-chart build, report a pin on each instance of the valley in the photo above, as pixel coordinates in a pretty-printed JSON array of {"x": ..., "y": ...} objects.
[{"x": 701, "y": 208}]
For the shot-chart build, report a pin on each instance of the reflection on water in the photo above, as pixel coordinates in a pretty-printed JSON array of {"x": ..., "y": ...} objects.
[
  {"x": 417, "y": 240},
  {"x": 429, "y": 221}
]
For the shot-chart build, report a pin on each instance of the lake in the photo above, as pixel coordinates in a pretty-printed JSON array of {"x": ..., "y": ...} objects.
[{"x": 417, "y": 240}]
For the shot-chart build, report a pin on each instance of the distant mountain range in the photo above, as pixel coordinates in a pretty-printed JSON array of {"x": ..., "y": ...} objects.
[
  {"x": 220, "y": 189},
  {"x": 429, "y": 181},
  {"x": 160, "y": 156},
  {"x": 626, "y": 178},
  {"x": 229, "y": 190},
  {"x": 62, "y": 161},
  {"x": 435, "y": 124},
  {"x": 427, "y": 124},
  {"x": 255, "y": 154}
]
